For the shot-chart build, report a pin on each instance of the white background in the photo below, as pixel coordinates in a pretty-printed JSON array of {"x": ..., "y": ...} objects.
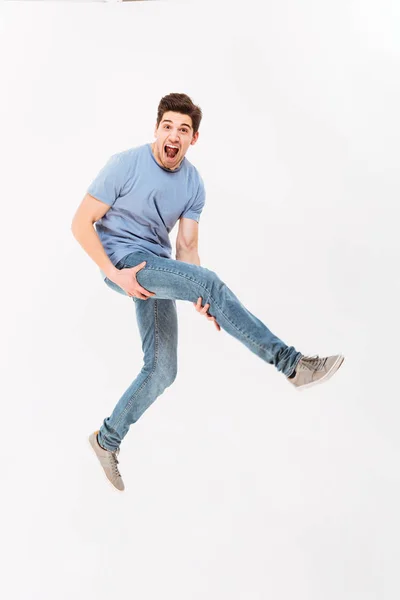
[{"x": 237, "y": 485}]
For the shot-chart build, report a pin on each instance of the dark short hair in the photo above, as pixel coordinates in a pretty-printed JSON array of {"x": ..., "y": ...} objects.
[{"x": 180, "y": 103}]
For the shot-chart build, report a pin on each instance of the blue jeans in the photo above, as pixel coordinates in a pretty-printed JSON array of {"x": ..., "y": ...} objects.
[{"x": 173, "y": 280}]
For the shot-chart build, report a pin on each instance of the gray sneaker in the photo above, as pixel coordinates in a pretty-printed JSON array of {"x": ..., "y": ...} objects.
[
  {"x": 311, "y": 370},
  {"x": 108, "y": 461}
]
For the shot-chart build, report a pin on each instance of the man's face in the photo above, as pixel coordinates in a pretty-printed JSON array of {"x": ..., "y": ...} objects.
[{"x": 175, "y": 129}]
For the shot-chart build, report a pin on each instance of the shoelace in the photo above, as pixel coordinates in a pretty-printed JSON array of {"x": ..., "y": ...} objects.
[
  {"x": 114, "y": 462},
  {"x": 314, "y": 363}
]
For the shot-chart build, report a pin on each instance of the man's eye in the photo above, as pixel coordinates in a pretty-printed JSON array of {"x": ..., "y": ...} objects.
[{"x": 184, "y": 130}]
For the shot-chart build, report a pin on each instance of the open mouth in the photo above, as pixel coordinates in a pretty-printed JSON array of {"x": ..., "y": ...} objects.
[{"x": 170, "y": 151}]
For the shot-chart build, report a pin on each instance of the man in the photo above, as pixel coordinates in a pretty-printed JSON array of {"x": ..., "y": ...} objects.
[{"x": 134, "y": 202}]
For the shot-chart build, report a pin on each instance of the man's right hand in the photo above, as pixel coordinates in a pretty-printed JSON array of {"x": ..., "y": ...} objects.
[{"x": 126, "y": 279}]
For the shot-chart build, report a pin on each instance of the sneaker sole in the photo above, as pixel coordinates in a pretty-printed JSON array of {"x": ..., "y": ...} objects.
[
  {"x": 104, "y": 473},
  {"x": 327, "y": 375}
]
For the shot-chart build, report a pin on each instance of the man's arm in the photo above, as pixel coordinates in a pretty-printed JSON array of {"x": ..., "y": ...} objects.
[
  {"x": 187, "y": 241},
  {"x": 186, "y": 251},
  {"x": 89, "y": 211}
]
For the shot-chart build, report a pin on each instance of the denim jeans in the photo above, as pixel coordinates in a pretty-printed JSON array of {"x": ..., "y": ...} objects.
[{"x": 173, "y": 280}]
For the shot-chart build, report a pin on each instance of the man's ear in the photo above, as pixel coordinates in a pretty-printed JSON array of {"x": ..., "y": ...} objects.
[{"x": 195, "y": 138}]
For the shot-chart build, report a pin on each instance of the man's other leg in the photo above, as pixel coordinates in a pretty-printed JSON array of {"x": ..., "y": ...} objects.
[{"x": 158, "y": 325}]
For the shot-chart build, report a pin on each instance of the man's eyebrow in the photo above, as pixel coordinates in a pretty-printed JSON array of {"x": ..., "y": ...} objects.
[{"x": 182, "y": 124}]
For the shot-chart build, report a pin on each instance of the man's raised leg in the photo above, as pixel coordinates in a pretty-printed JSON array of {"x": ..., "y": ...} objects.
[{"x": 172, "y": 279}]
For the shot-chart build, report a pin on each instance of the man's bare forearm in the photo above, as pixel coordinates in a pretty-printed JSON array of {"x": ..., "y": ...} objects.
[
  {"x": 188, "y": 256},
  {"x": 87, "y": 237}
]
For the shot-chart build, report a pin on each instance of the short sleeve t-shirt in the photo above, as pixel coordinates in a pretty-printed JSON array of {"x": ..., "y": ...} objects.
[{"x": 146, "y": 201}]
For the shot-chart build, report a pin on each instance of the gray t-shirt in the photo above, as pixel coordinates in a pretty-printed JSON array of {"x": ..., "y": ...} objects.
[{"x": 146, "y": 202}]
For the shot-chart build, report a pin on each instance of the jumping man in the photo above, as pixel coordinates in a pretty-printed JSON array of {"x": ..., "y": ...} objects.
[{"x": 134, "y": 203}]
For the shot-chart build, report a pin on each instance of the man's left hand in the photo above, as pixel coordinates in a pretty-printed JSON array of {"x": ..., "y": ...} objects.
[{"x": 203, "y": 311}]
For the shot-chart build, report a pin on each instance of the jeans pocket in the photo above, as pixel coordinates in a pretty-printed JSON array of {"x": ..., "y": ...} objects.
[
  {"x": 131, "y": 260},
  {"x": 121, "y": 263}
]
